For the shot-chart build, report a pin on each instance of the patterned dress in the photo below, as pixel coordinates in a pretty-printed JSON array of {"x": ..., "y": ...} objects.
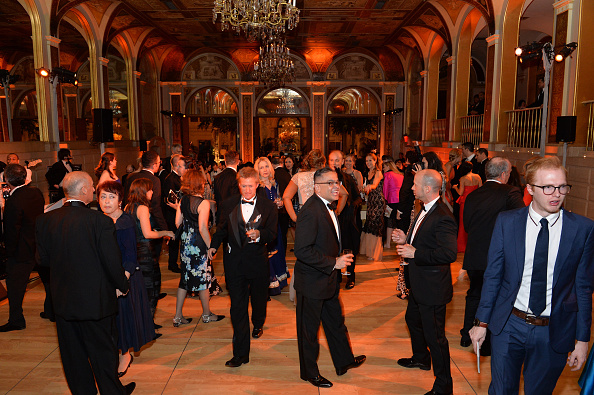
[
  {"x": 371, "y": 236},
  {"x": 276, "y": 255}
]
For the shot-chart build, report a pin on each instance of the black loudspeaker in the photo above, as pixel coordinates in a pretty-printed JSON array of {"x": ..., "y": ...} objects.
[
  {"x": 566, "y": 129},
  {"x": 102, "y": 125}
]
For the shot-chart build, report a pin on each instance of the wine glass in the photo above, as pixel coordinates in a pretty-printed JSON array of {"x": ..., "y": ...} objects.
[
  {"x": 250, "y": 226},
  {"x": 344, "y": 271}
]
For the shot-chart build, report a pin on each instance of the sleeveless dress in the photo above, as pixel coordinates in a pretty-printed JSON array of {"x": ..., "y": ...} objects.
[
  {"x": 196, "y": 269},
  {"x": 134, "y": 320},
  {"x": 276, "y": 255},
  {"x": 462, "y": 235},
  {"x": 146, "y": 262},
  {"x": 371, "y": 236}
]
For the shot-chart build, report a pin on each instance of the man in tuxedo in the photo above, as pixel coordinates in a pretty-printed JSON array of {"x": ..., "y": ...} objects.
[
  {"x": 80, "y": 247},
  {"x": 429, "y": 248},
  {"x": 56, "y": 174},
  {"x": 282, "y": 178},
  {"x": 468, "y": 153},
  {"x": 482, "y": 157},
  {"x": 246, "y": 258},
  {"x": 173, "y": 184},
  {"x": 350, "y": 231},
  {"x": 22, "y": 208},
  {"x": 317, "y": 281},
  {"x": 225, "y": 183},
  {"x": 540, "y": 97},
  {"x": 176, "y": 149},
  {"x": 537, "y": 292},
  {"x": 480, "y": 212}
]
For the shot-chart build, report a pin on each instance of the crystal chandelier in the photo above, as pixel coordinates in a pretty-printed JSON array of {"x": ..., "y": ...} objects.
[
  {"x": 274, "y": 67},
  {"x": 259, "y": 19}
]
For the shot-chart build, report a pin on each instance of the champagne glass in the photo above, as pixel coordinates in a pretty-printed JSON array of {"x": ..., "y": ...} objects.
[
  {"x": 250, "y": 226},
  {"x": 344, "y": 271}
]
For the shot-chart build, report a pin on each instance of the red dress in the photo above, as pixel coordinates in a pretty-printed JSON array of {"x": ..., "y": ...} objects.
[{"x": 462, "y": 235}]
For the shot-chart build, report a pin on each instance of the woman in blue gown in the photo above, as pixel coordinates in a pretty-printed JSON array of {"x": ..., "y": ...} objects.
[
  {"x": 586, "y": 380},
  {"x": 279, "y": 273},
  {"x": 134, "y": 320}
]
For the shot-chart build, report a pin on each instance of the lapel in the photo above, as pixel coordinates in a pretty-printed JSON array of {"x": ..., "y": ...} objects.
[
  {"x": 520, "y": 240},
  {"x": 431, "y": 210},
  {"x": 234, "y": 218},
  {"x": 254, "y": 218},
  {"x": 568, "y": 233},
  {"x": 329, "y": 219}
]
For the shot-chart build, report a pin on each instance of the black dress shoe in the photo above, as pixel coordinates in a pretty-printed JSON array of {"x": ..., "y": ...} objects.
[
  {"x": 45, "y": 316},
  {"x": 358, "y": 362},
  {"x": 464, "y": 342},
  {"x": 257, "y": 333},
  {"x": 320, "y": 382},
  {"x": 409, "y": 363},
  {"x": 438, "y": 393},
  {"x": 130, "y": 387},
  {"x": 157, "y": 326},
  {"x": 8, "y": 327},
  {"x": 349, "y": 284},
  {"x": 174, "y": 269},
  {"x": 161, "y": 295},
  {"x": 236, "y": 362}
]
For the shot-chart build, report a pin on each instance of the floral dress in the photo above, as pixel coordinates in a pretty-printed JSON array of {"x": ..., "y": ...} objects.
[{"x": 276, "y": 255}]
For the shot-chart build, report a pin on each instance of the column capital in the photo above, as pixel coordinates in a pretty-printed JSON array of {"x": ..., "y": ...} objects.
[
  {"x": 103, "y": 61},
  {"x": 318, "y": 87},
  {"x": 562, "y": 6},
  {"x": 389, "y": 87},
  {"x": 424, "y": 73},
  {"x": 451, "y": 60},
  {"x": 53, "y": 41},
  {"x": 247, "y": 87},
  {"x": 493, "y": 39}
]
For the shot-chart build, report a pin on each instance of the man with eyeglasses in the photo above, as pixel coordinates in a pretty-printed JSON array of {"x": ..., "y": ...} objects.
[
  {"x": 318, "y": 250},
  {"x": 537, "y": 292}
]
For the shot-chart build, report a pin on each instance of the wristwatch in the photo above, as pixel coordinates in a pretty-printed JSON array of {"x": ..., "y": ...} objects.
[{"x": 479, "y": 323}]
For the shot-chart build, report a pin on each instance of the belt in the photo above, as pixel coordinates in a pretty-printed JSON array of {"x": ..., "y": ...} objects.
[{"x": 530, "y": 319}]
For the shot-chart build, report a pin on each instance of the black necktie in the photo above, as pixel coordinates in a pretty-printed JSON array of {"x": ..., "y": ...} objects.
[
  {"x": 538, "y": 285},
  {"x": 332, "y": 206},
  {"x": 247, "y": 202}
]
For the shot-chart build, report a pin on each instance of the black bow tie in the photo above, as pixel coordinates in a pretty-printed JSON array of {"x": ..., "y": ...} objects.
[
  {"x": 247, "y": 202},
  {"x": 332, "y": 206}
]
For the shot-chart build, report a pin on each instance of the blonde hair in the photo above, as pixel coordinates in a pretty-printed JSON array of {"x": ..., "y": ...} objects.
[{"x": 263, "y": 159}]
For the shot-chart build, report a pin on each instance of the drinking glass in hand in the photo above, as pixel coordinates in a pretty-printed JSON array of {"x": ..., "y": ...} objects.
[
  {"x": 344, "y": 270},
  {"x": 279, "y": 202},
  {"x": 250, "y": 226}
]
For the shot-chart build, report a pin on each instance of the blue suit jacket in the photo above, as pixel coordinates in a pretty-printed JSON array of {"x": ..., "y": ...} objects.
[{"x": 571, "y": 304}]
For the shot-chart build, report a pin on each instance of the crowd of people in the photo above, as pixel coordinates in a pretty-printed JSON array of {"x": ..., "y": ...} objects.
[{"x": 529, "y": 262}]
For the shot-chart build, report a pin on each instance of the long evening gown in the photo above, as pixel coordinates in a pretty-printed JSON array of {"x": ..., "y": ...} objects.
[
  {"x": 134, "y": 320},
  {"x": 586, "y": 380},
  {"x": 462, "y": 235},
  {"x": 277, "y": 262},
  {"x": 371, "y": 235}
]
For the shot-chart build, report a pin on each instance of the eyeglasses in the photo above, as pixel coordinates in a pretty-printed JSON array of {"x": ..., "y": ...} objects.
[
  {"x": 329, "y": 183},
  {"x": 550, "y": 189}
]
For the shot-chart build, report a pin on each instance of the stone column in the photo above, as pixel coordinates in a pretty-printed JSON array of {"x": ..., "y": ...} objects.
[
  {"x": 460, "y": 81},
  {"x": 387, "y": 141},
  {"x": 319, "y": 134},
  {"x": 247, "y": 120}
]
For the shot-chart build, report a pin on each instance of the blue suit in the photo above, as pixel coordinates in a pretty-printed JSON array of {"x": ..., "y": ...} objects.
[{"x": 571, "y": 303}]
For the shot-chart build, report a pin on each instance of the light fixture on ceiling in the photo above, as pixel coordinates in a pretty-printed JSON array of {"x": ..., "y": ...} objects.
[
  {"x": 274, "y": 67},
  {"x": 258, "y": 19}
]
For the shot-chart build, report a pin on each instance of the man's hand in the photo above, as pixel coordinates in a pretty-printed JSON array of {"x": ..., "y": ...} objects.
[
  {"x": 398, "y": 236},
  {"x": 211, "y": 253},
  {"x": 477, "y": 335},
  {"x": 343, "y": 261},
  {"x": 253, "y": 234},
  {"x": 578, "y": 356},
  {"x": 406, "y": 250},
  {"x": 120, "y": 293}
]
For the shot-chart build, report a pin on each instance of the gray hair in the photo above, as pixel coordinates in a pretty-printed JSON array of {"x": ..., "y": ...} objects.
[
  {"x": 74, "y": 181},
  {"x": 495, "y": 166}
]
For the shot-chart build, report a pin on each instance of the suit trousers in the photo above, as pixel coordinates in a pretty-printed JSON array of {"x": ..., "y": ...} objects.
[
  {"x": 426, "y": 324},
  {"x": 283, "y": 221},
  {"x": 48, "y": 306},
  {"x": 241, "y": 290},
  {"x": 89, "y": 353},
  {"x": 16, "y": 285},
  {"x": 520, "y": 344},
  {"x": 309, "y": 314}
]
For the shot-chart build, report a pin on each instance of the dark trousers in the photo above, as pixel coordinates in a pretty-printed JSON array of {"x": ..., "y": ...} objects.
[
  {"x": 48, "y": 306},
  {"x": 16, "y": 285},
  {"x": 309, "y": 314},
  {"x": 473, "y": 297},
  {"x": 520, "y": 344},
  {"x": 241, "y": 290},
  {"x": 283, "y": 221},
  {"x": 89, "y": 353},
  {"x": 426, "y": 325}
]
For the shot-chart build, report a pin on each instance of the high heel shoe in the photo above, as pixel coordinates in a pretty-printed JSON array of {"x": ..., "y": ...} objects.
[
  {"x": 177, "y": 321},
  {"x": 120, "y": 374},
  {"x": 206, "y": 318}
]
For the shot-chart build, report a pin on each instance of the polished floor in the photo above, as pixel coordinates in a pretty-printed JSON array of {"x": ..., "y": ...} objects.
[{"x": 190, "y": 359}]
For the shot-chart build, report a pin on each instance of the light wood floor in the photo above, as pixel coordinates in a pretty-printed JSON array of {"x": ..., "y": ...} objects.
[{"x": 191, "y": 359}]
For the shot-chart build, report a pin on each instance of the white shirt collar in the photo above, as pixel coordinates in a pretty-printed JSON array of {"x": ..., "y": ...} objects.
[
  {"x": 326, "y": 202},
  {"x": 15, "y": 188},
  {"x": 149, "y": 170},
  {"x": 429, "y": 205},
  {"x": 536, "y": 217},
  {"x": 470, "y": 157},
  {"x": 494, "y": 180}
]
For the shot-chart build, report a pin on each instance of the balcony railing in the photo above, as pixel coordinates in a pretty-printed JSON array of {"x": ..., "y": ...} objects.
[
  {"x": 590, "y": 138},
  {"x": 439, "y": 131},
  {"x": 523, "y": 127},
  {"x": 472, "y": 129}
]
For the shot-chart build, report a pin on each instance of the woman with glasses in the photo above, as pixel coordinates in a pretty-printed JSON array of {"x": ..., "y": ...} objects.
[{"x": 371, "y": 236}]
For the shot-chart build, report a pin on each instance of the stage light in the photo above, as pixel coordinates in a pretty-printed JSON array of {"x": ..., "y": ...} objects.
[
  {"x": 559, "y": 58},
  {"x": 43, "y": 72},
  {"x": 566, "y": 51},
  {"x": 167, "y": 113},
  {"x": 64, "y": 76},
  {"x": 519, "y": 51},
  {"x": 179, "y": 114}
]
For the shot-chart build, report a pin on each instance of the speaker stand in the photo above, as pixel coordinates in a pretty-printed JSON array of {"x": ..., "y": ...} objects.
[
  {"x": 564, "y": 153},
  {"x": 102, "y": 148}
]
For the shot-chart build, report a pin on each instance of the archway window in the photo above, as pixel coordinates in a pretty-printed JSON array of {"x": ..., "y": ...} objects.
[
  {"x": 353, "y": 101},
  {"x": 282, "y": 101},
  {"x": 118, "y": 102},
  {"x": 211, "y": 101},
  {"x": 25, "y": 121}
]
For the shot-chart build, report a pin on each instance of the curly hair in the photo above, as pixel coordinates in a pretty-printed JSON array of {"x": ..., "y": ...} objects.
[
  {"x": 193, "y": 182},
  {"x": 103, "y": 165},
  {"x": 111, "y": 187}
]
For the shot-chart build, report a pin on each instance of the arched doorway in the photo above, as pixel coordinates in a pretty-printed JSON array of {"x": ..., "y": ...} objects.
[
  {"x": 282, "y": 123},
  {"x": 353, "y": 121},
  {"x": 212, "y": 123}
]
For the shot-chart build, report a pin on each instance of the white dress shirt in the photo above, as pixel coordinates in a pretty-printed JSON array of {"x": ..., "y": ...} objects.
[
  {"x": 532, "y": 228},
  {"x": 422, "y": 215},
  {"x": 332, "y": 215}
]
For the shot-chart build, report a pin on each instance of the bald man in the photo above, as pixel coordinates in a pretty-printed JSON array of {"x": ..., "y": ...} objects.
[
  {"x": 80, "y": 247},
  {"x": 429, "y": 249}
]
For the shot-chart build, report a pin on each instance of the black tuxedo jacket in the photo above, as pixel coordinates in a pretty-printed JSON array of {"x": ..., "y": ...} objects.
[
  {"x": 172, "y": 183},
  {"x": 282, "y": 178},
  {"x": 155, "y": 207},
  {"x": 225, "y": 185},
  {"x": 475, "y": 165},
  {"x": 80, "y": 247},
  {"x": 239, "y": 256},
  {"x": 56, "y": 174},
  {"x": 436, "y": 248},
  {"x": 316, "y": 247},
  {"x": 481, "y": 209},
  {"x": 20, "y": 212},
  {"x": 481, "y": 172}
]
